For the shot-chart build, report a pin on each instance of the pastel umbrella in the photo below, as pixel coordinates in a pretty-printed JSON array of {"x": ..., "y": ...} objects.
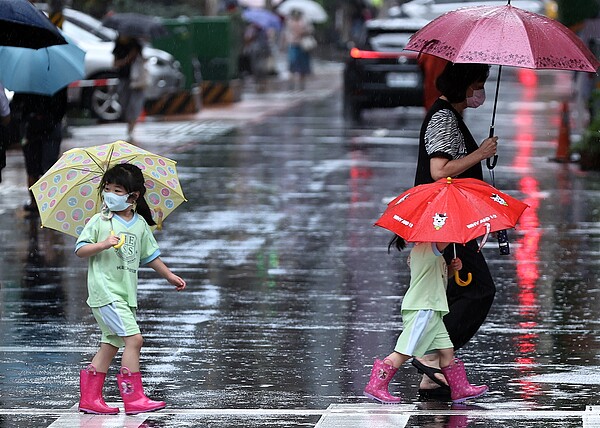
[
  {"x": 42, "y": 71},
  {"x": 67, "y": 195}
]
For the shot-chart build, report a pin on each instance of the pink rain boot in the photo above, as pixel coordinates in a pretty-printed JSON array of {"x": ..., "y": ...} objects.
[
  {"x": 377, "y": 388},
  {"x": 132, "y": 392},
  {"x": 90, "y": 387},
  {"x": 460, "y": 388}
]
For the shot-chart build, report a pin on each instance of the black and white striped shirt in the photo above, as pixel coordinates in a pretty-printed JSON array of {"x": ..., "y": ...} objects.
[{"x": 443, "y": 137}]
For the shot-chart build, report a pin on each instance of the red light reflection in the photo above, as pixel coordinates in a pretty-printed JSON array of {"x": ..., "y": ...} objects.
[{"x": 526, "y": 252}]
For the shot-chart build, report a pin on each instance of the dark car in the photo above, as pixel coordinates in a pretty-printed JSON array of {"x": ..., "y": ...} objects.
[{"x": 378, "y": 73}]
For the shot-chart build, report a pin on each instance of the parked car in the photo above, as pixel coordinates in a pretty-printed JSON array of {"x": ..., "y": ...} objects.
[
  {"x": 378, "y": 73},
  {"x": 431, "y": 9},
  {"x": 98, "y": 42}
]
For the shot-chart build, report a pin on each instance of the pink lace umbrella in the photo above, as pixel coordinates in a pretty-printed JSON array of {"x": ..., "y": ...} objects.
[{"x": 503, "y": 35}]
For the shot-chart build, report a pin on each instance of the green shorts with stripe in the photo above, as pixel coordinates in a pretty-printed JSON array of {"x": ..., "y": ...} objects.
[
  {"x": 116, "y": 321},
  {"x": 424, "y": 331}
]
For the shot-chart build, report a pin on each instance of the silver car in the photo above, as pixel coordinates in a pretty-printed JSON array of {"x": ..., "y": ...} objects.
[{"x": 98, "y": 92}]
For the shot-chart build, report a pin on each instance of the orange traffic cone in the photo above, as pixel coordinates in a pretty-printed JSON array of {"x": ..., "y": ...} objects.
[{"x": 564, "y": 135}]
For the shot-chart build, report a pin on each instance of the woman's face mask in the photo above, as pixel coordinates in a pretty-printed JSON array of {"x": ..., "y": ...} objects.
[
  {"x": 115, "y": 202},
  {"x": 477, "y": 99}
]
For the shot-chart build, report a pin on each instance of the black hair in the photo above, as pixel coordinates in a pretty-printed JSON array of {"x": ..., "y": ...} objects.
[
  {"x": 130, "y": 177},
  {"x": 398, "y": 242},
  {"x": 454, "y": 81}
]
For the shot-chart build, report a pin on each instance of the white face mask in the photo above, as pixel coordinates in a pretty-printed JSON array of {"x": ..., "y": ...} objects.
[
  {"x": 115, "y": 202},
  {"x": 477, "y": 99}
]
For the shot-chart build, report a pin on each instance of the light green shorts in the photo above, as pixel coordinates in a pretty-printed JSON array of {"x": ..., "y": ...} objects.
[
  {"x": 116, "y": 321},
  {"x": 424, "y": 331}
]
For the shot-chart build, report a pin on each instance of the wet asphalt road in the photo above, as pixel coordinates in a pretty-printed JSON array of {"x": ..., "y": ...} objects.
[{"x": 291, "y": 292}]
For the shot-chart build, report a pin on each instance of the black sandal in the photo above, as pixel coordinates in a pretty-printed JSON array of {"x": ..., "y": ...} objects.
[{"x": 430, "y": 372}]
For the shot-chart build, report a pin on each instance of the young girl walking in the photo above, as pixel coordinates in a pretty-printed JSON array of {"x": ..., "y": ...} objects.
[
  {"x": 423, "y": 307},
  {"x": 117, "y": 241}
]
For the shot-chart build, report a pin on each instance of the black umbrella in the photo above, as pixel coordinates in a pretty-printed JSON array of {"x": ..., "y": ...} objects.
[
  {"x": 22, "y": 25},
  {"x": 136, "y": 25}
]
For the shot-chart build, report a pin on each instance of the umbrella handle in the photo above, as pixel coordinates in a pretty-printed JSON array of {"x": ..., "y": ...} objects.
[
  {"x": 491, "y": 163},
  {"x": 121, "y": 240},
  {"x": 460, "y": 281}
]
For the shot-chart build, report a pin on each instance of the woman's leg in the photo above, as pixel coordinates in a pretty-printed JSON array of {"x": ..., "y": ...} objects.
[
  {"x": 469, "y": 306},
  {"x": 131, "y": 353}
]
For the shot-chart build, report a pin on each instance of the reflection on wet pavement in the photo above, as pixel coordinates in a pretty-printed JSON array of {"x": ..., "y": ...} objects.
[{"x": 292, "y": 292}]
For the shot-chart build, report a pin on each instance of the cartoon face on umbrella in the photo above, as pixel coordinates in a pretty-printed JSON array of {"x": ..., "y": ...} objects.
[{"x": 68, "y": 195}]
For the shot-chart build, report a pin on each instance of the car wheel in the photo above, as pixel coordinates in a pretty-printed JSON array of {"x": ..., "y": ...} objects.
[{"x": 103, "y": 101}]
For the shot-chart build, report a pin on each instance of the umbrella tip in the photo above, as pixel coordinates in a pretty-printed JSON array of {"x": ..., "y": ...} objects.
[{"x": 448, "y": 180}]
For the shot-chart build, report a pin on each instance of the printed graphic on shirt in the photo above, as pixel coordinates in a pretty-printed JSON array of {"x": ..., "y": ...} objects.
[{"x": 127, "y": 251}]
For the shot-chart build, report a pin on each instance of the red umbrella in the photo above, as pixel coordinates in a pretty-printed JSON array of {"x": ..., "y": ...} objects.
[
  {"x": 503, "y": 35},
  {"x": 451, "y": 210}
]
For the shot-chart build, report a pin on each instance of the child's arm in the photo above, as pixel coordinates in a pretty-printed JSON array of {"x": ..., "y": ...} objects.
[
  {"x": 90, "y": 250},
  {"x": 454, "y": 266},
  {"x": 158, "y": 265}
]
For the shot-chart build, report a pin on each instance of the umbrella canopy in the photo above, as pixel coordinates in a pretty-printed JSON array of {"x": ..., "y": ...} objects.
[
  {"x": 41, "y": 71},
  {"x": 451, "y": 210},
  {"x": 503, "y": 35},
  {"x": 258, "y": 3},
  {"x": 312, "y": 10},
  {"x": 68, "y": 196},
  {"x": 136, "y": 25},
  {"x": 263, "y": 18},
  {"x": 22, "y": 25}
]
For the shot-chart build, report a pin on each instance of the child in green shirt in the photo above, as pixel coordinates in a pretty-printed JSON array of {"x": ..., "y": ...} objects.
[
  {"x": 116, "y": 242},
  {"x": 423, "y": 308}
]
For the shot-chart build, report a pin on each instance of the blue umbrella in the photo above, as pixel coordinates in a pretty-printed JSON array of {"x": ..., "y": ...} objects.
[
  {"x": 21, "y": 24},
  {"x": 263, "y": 18},
  {"x": 41, "y": 71}
]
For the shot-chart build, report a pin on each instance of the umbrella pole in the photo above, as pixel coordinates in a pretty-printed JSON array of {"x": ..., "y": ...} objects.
[
  {"x": 502, "y": 235},
  {"x": 491, "y": 163}
]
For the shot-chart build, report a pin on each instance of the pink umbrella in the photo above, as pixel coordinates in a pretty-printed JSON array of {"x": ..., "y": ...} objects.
[{"x": 503, "y": 35}]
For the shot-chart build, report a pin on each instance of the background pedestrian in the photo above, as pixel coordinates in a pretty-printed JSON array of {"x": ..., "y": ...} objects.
[
  {"x": 4, "y": 120},
  {"x": 132, "y": 79},
  {"x": 112, "y": 286},
  {"x": 41, "y": 121},
  {"x": 299, "y": 37}
]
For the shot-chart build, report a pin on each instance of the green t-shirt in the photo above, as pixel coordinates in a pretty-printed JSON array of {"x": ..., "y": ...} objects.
[
  {"x": 112, "y": 273},
  {"x": 428, "y": 279}
]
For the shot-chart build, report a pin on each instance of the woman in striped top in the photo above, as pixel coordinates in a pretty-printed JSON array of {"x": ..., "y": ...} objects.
[{"x": 447, "y": 149}]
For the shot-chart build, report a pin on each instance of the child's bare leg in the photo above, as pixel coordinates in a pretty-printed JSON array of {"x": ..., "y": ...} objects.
[
  {"x": 131, "y": 354},
  {"x": 397, "y": 359},
  {"x": 446, "y": 356},
  {"x": 104, "y": 356}
]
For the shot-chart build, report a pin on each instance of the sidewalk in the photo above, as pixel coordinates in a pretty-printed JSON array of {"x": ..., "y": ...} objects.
[{"x": 168, "y": 134}]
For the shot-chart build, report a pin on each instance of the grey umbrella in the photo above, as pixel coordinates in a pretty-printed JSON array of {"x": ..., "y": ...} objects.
[
  {"x": 136, "y": 25},
  {"x": 22, "y": 25}
]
